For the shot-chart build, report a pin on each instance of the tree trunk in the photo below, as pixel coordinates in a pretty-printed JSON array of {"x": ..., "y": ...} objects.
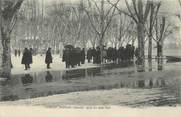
[
  {"x": 5, "y": 71},
  {"x": 101, "y": 47},
  {"x": 133, "y": 41},
  {"x": 159, "y": 50},
  {"x": 160, "y": 55},
  {"x": 141, "y": 37},
  {"x": 150, "y": 64},
  {"x": 150, "y": 47},
  {"x": 102, "y": 26}
]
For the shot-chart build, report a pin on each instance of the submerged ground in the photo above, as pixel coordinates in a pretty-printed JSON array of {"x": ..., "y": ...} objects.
[{"x": 119, "y": 85}]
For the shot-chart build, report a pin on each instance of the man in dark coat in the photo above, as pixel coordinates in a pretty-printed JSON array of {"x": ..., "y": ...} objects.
[
  {"x": 48, "y": 58},
  {"x": 98, "y": 56},
  {"x": 89, "y": 55},
  {"x": 82, "y": 54},
  {"x": 136, "y": 52},
  {"x": 114, "y": 55},
  {"x": 76, "y": 57},
  {"x": 94, "y": 55},
  {"x": 15, "y": 52},
  {"x": 121, "y": 54},
  {"x": 128, "y": 52},
  {"x": 110, "y": 54},
  {"x": 66, "y": 57},
  {"x": 30, "y": 60},
  {"x": 25, "y": 58}
]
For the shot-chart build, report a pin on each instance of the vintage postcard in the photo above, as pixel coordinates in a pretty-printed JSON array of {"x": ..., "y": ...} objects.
[{"x": 119, "y": 58}]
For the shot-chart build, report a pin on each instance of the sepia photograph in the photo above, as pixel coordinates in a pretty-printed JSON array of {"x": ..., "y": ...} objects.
[{"x": 118, "y": 58}]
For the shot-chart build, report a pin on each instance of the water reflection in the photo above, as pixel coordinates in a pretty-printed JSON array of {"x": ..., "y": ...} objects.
[
  {"x": 88, "y": 79},
  {"x": 150, "y": 65},
  {"x": 93, "y": 72},
  {"x": 151, "y": 83},
  {"x": 27, "y": 79},
  {"x": 48, "y": 77},
  {"x": 140, "y": 66},
  {"x": 141, "y": 83},
  {"x": 160, "y": 64},
  {"x": 74, "y": 74}
]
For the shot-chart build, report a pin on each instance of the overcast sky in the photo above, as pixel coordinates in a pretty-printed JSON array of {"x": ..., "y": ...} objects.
[
  {"x": 171, "y": 5},
  {"x": 168, "y": 6}
]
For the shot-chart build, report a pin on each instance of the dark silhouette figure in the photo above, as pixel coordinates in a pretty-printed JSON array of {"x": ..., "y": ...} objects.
[
  {"x": 48, "y": 58},
  {"x": 82, "y": 55},
  {"x": 75, "y": 57},
  {"x": 26, "y": 59},
  {"x": 66, "y": 57},
  {"x": 94, "y": 55},
  {"x": 114, "y": 54},
  {"x": 121, "y": 54},
  {"x": 89, "y": 55},
  {"x": 30, "y": 53},
  {"x": 136, "y": 53},
  {"x": 15, "y": 52},
  {"x": 98, "y": 56}
]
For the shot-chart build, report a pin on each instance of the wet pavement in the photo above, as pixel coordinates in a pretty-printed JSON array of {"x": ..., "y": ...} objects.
[{"x": 158, "y": 88}]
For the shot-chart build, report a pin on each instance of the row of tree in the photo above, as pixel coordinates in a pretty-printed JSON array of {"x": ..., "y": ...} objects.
[{"x": 88, "y": 22}]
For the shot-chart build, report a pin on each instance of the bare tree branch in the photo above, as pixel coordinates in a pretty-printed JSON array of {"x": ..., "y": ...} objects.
[
  {"x": 121, "y": 11},
  {"x": 93, "y": 26},
  {"x": 147, "y": 10},
  {"x": 129, "y": 9}
]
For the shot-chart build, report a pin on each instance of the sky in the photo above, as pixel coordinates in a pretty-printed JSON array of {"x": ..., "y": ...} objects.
[{"x": 169, "y": 7}]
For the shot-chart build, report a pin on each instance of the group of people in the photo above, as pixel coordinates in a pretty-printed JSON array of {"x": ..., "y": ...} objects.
[
  {"x": 27, "y": 58},
  {"x": 111, "y": 54},
  {"x": 73, "y": 57},
  {"x": 76, "y": 56}
]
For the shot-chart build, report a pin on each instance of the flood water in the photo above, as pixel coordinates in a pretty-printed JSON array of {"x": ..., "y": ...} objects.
[{"x": 161, "y": 89}]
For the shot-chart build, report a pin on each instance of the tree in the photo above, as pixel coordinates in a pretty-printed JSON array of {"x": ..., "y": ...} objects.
[
  {"x": 153, "y": 14},
  {"x": 121, "y": 31},
  {"x": 8, "y": 13},
  {"x": 58, "y": 22},
  {"x": 163, "y": 28},
  {"x": 103, "y": 17},
  {"x": 139, "y": 13},
  {"x": 178, "y": 15}
]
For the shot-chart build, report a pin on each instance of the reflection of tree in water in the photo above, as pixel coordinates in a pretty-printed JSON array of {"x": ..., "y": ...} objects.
[
  {"x": 150, "y": 65},
  {"x": 48, "y": 77},
  {"x": 160, "y": 64},
  {"x": 151, "y": 83},
  {"x": 139, "y": 67},
  {"x": 27, "y": 79},
  {"x": 141, "y": 83}
]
